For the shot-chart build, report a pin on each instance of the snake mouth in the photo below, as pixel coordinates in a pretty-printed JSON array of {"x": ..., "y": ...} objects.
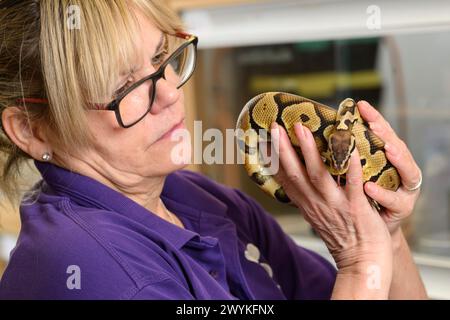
[{"x": 339, "y": 168}]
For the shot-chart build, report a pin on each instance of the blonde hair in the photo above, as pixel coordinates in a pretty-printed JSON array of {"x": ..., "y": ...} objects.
[{"x": 43, "y": 55}]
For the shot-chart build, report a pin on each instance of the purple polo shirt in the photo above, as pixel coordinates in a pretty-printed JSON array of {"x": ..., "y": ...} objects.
[{"x": 82, "y": 240}]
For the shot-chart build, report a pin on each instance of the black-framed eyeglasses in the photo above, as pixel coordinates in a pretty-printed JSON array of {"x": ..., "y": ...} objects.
[
  {"x": 135, "y": 102},
  {"x": 178, "y": 68}
]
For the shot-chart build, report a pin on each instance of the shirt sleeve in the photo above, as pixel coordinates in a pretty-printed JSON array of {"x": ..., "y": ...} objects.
[
  {"x": 163, "y": 290},
  {"x": 301, "y": 273}
]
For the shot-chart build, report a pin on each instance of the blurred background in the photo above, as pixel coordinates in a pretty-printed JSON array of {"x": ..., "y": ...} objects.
[{"x": 394, "y": 54}]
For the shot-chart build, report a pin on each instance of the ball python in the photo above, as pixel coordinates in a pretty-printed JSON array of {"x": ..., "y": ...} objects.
[{"x": 336, "y": 132}]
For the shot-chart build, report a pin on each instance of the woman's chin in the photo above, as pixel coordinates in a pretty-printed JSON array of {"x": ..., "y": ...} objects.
[{"x": 175, "y": 154}]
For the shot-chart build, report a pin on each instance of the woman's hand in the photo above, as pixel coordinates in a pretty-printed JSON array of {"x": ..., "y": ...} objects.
[
  {"x": 406, "y": 282},
  {"x": 397, "y": 205},
  {"x": 353, "y": 231}
]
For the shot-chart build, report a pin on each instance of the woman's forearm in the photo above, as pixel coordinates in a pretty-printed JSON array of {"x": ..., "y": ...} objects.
[{"x": 406, "y": 281}]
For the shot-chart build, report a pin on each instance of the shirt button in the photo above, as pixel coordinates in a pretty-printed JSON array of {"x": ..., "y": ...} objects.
[{"x": 214, "y": 274}]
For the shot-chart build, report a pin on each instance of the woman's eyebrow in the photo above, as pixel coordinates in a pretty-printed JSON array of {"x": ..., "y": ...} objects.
[{"x": 160, "y": 45}]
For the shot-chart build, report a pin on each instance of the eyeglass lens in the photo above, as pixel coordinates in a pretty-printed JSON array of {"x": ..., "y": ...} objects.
[{"x": 135, "y": 105}]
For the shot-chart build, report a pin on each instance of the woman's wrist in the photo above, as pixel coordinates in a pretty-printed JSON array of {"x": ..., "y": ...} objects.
[
  {"x": 364, "y": 272},
  {"x": 397, "y": 240},
  {"x": 369, "y": 279},
  {"x": 381, "y": 263},
  {"x": 366, "y": 252}
]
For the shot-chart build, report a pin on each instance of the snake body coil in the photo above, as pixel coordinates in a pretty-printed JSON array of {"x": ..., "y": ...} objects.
[{"x": 336, "y": 133}]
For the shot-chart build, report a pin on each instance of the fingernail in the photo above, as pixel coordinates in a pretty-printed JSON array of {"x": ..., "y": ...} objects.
[
  {"x": 362, "y": 101},
  {"x": 370, "y": 186},
  {"x": 275, "y": 132},
  {"x": 374, "y": 126},
  {"x": 300, "y": 129}
]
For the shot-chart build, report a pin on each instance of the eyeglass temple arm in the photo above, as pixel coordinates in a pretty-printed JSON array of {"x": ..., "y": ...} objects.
[
  {"x": 179, "y": 34},
  {"x": 31, "y": 100},
  {"x": 22, "y": 101},
  {"x": 184, "y": 35}
]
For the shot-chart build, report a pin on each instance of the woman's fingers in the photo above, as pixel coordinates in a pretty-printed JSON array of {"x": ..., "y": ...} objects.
[
  {"x": 354, "y": 181},
  {"x": 379, "y": 126},
  {"x": 397, "y": 205},
  {"x": 292, "y": 169},
  {"x": 396, "y": 150},
  {"x": 317, "y": 172},
  {"x": 386, "y": 198},
  {"x": 402, "y": 160}
]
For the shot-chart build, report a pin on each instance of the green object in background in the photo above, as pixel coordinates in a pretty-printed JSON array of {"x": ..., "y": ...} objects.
[
  {"x": 313, "y": 46},
  {"x": 317, "y": 46},
  {"x": 316, "y": 85}
]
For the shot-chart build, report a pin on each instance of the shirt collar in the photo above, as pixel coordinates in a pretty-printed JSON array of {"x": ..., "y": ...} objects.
[{"x": 179, "y": 193}]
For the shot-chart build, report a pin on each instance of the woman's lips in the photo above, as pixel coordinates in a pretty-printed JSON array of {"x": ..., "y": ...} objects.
[{"x": 179, "y": 125}]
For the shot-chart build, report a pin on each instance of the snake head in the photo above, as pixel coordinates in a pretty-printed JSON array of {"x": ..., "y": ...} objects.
[{"x": 341, "y": 144}]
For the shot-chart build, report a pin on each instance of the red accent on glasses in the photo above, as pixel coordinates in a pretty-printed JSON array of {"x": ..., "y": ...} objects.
[
  {"x": 31, "y": 100},
  {"x": 184, "y": 35}
]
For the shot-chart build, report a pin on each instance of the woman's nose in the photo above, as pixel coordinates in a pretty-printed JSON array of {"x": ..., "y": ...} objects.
[{"x": 166, "y": 95}]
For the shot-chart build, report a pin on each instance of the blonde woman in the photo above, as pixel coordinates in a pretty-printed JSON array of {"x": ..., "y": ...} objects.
[{"x": 94, "y": 106}]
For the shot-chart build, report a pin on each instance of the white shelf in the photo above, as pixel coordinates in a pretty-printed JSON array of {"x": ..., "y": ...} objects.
[{"x": 287, "y": 21}]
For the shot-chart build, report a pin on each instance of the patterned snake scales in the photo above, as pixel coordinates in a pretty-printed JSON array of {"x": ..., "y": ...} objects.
[{"x": 336, "y": 134}]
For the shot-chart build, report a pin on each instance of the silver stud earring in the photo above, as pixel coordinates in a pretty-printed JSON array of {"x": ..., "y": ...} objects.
[{"x": 46, "y": 156}]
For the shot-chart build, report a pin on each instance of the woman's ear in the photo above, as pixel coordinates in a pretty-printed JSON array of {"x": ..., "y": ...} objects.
[{"x": 26, "y": 135}]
